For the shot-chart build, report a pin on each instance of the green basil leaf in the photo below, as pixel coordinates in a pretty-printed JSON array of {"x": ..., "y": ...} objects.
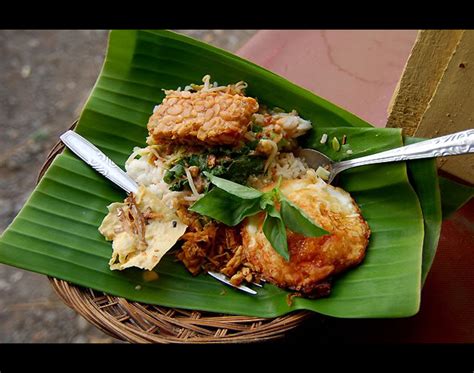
[
  {"x": 267, "y": 199},
  {"x": 225, "y": 207},
  {"x": 275, "y": 232},
  {"x": 277, "y": 188},
  {"x": 234, "y": 188},
  {"x": 296, "y": 220}
]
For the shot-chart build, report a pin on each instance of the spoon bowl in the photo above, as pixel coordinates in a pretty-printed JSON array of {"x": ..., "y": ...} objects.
[{"x": 315, "y": 159}]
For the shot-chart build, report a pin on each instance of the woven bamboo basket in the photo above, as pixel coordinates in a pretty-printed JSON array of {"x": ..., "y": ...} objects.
[{"x": 143, "y": 323}]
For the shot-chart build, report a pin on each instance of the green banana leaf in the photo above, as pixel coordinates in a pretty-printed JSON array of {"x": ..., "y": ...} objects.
[
  {"x": 56, "y": 231},
  {"x": 454, "y": 195},
  {"x": 423, "y": 175}
]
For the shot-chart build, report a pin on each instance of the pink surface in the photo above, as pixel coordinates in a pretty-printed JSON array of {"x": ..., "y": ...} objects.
[{"x": 357, "y": 70}]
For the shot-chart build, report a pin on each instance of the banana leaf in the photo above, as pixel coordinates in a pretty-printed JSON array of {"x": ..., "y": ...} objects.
[
  {"x": 423, "y": 175},
  {"x": 454, "y": 195},
  {"x": 56, "y": 231}
]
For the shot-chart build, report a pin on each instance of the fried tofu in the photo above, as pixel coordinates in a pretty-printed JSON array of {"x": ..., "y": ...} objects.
[
  {"x": 203, "y": 118},
  {"x": 313, "y": 260}
]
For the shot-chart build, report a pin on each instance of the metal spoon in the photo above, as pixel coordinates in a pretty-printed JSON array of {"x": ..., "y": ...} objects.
[{"x": 455, "y": 144}]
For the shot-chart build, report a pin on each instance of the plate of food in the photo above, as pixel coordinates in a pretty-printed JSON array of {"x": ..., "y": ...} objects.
[{"x": 213, "y": 143}]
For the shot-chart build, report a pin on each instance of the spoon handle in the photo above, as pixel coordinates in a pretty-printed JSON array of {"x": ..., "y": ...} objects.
[
  {"x": 453, "y": 144},
  {"x": 98, "y": 161}
]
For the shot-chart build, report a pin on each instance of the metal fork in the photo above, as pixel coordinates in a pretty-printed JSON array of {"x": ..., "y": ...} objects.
[{"x": 106, "y": 167}]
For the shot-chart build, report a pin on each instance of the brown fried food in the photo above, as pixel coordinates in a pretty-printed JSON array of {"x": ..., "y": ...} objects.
[
  {"x": 213, "y": 247},
  {"x": 203, "y": 117},
  {"x": 313, "y": 260},
  {"x": 196, "y": 246}
]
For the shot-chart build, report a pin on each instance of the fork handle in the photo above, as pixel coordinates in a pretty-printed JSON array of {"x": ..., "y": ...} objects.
[
  {"x": 454, "y": 144},
  {"x": 98, "y": 161}
]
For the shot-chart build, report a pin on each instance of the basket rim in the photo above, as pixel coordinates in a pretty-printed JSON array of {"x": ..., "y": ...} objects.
[{"x": 135, "y": 322}]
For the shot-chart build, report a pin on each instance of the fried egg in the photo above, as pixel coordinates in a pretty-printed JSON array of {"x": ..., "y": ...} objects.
[{"x": 313, "y": 260}]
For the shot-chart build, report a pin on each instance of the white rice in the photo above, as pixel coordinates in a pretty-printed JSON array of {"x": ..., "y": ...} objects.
[
  {"x": 285, "y": 165},
  {"x": 151, "y": 176},
  {"x": 288, "y": 166}
]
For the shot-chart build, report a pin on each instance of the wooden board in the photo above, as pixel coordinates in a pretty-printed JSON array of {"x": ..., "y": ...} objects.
[{"x": 435, "y": 95}]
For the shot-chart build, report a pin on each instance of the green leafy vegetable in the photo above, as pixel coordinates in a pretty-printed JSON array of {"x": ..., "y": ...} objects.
[
  {"x": 230, "y": 202},
  {"x": 297, "y": 221},
  {"x": 275, "y": 231},
  {"x": 179, "y": 185},
  {"x": 225, "y": 207},
  {"x": 419, "y": 171},
  {"x": 173, "y": 173},
  {"x": 198, "y": 160},
  {"x": 234, "y": 188},
  {"x": 244, "y": 166},
  {"x": 232, "y": 164},
  {"x": 267, "y": 199}
]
